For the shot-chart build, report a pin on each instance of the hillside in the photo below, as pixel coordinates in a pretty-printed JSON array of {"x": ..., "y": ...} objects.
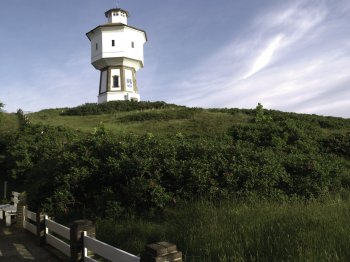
[
  {"x": 161, "y": 122},
  {"x": 183, "y": 152},
  {"x": 138, "y": 169},
  {"x": 165, "y": 120}
]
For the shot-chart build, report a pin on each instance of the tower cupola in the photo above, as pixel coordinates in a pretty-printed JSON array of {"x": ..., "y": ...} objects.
[{"x": 117, "y": 15}]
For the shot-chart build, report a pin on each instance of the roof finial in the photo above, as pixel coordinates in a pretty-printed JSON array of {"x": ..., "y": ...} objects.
[{"x": 117, "y": 3}]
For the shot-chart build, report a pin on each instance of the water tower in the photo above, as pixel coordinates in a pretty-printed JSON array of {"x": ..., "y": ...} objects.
[{"x": 117, "y": 51}]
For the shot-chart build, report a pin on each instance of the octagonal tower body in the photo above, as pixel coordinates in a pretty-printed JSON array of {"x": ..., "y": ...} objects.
[{"x": 117, "y": 51}]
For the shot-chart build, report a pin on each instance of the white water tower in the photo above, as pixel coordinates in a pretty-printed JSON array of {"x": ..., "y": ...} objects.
[{"x": 117, "y": 51}]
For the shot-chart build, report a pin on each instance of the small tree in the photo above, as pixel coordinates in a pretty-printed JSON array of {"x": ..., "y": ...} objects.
[{"x": 260, "y": 115}]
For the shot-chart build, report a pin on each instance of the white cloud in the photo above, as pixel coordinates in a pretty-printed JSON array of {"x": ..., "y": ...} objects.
[
  {"x": 264, "y": 58},
  {"x": 294, "y": 66}
]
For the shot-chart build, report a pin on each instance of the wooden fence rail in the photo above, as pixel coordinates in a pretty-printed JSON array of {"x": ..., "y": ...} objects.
[
  {"x": 106, "y": 251},
  {"x": 64, "y": 232},
  {"x": 29, "y": 221},
  {"x": 75, "y": 243}
]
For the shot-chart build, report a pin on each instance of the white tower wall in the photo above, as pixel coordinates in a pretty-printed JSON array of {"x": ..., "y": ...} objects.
[
  {"x": 117, "y": 42},
  {"x": 103, "y": 84}
]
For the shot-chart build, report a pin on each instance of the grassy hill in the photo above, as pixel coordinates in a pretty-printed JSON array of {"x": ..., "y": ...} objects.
[
  {"x": 240, "y": 151},
  {"x": 162, "y": 122},
  {"x": 223, "y": 184},
  {"x": 163, "y": 119},
  {"x": 283, "y": 148}
]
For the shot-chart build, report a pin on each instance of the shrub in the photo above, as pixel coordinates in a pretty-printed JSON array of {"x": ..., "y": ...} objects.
[
  {"x": 114, "y": 106},
  {"x": 104, "y": 175}
]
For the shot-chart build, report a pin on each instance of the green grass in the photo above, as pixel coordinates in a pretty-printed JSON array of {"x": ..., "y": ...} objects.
[
  {"x": 197, "y": 123},
  {"x": 243, "y": 231},
  {"x": 166, "y": 120}
]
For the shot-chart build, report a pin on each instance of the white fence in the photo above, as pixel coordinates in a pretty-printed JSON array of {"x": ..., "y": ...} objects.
[
  {"x": 106, "y": 251},
  {"x": 64, "y": 232},
  {"x": 59, "y": 237},
  {"x": 29, "y": 216}
]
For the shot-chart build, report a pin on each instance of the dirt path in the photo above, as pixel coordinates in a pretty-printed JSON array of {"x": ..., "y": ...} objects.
[{"x": 19, "y": 245}]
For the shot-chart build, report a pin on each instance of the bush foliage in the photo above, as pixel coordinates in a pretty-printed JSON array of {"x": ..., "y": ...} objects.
[
  {"x": 115, "y": 106},
  {"x": 278, "y": 156}
]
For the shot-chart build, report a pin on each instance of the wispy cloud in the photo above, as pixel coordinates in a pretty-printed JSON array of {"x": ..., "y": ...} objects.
[
  {"x": 292, "y": 65},
  {"x": 265, "y": 57},
  {"x": 291, "y": 55}
]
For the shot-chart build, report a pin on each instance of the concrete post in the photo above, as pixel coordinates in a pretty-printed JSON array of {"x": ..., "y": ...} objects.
[
  {"x": 21, "y": 210},
  {"x": 20, "y": 216},
  {"x": 76, "y": 241},
  {"x": 161, "y": 252}
]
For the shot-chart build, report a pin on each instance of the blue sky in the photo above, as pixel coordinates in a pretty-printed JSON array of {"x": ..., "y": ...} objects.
[{"x": 287, "y": 55}]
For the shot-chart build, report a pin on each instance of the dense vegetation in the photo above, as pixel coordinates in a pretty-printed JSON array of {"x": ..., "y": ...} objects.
[
  {"x": 113, "y": 107},
  {"x": 146, "y": 158}
]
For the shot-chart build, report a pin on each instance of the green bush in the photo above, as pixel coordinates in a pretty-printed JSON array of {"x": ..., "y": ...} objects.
[
  {"x": 338, "y": 144},
  {"x": 113, "y": 107},
  {"x": 107, "y": 175}
]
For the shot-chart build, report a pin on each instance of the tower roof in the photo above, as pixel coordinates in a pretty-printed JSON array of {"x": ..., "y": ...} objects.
[
  {"x": 88, "y": 34},
  {"x": 116, "y": 10}
]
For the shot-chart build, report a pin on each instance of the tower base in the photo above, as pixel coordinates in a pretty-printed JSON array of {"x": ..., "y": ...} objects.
[{"x": 118, "y": 96}]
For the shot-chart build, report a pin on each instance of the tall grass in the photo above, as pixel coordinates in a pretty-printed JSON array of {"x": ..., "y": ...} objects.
[{"x": 243, "y": 231}]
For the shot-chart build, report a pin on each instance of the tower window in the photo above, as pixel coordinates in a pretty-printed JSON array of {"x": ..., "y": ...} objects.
[
  {"x": 115, "y": 81},
  {"x": 96, "y": 46},
  {"x": 132, "y": 44},
  {"x": 113, "y": 43}
]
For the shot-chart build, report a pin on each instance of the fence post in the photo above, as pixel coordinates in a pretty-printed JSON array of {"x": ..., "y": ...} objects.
[
  {"x": 21, "y": 213},
  {"x": 22, "y": 223},
  {"x": 46, "y": 230},
  {"x": 161, "y": 252},
  {"x": 40, "y": 226},
  {"x": 76, "y": 235}
]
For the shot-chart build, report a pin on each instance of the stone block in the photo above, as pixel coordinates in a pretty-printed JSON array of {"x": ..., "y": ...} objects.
[{"x": 161, "y": 252}]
